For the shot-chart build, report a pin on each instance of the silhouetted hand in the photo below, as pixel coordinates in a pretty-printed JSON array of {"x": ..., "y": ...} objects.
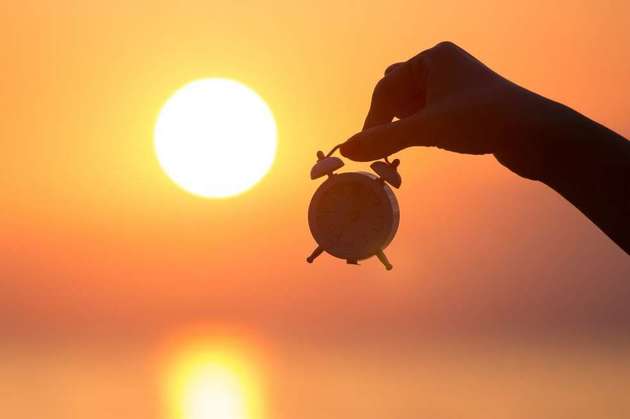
[{"x": 445, "y": 97}]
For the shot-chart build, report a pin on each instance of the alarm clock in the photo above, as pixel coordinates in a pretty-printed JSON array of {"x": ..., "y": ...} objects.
[{"x": 354, "y": 215}]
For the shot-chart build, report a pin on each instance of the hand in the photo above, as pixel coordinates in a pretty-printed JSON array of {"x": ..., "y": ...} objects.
[{"x": 443, "y": 97}]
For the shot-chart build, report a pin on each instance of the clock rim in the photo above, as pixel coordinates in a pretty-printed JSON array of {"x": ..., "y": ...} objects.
[{"x": 391, "y": 199}]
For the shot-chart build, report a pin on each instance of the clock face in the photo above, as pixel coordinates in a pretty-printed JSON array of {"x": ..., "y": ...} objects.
[{"x": 353, "y": 215}]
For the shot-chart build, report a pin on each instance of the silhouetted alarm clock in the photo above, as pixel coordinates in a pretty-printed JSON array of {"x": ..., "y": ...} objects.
[{"x": 353, "y": 215}]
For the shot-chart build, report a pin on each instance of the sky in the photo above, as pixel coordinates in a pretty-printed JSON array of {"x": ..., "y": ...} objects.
[{"x": 102, "y": 256}]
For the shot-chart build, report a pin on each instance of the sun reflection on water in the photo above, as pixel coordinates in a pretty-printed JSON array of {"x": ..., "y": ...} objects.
[{"x": 212, "y": 380}]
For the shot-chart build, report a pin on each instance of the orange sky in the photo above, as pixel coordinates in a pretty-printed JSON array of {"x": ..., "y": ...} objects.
[{"x": 95, "y": 233}]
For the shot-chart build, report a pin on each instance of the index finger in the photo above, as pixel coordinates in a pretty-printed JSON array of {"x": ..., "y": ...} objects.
[{"x": 401, "y": 84}]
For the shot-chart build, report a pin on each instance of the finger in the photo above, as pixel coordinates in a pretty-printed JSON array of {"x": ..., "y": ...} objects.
[
  {"x": 396, "y": 93},
  {"x": 381, "y": 111},
  {"x": 412, "y": 104},
  {"x": 383, "y": 140},
  {"x": 392, "y": 67}
]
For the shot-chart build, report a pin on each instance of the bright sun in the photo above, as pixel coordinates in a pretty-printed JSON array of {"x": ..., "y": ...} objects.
[{"x": 215, "y": 137}]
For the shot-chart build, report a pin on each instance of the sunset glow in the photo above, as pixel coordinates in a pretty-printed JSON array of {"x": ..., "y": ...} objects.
[{"x": 155, "y": 165}]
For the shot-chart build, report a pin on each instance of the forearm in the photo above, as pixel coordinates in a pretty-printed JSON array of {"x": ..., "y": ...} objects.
[{"x": 585, "y": 162}]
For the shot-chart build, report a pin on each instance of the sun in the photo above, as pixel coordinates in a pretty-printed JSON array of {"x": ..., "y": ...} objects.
[{"x": 215, "y": 137}]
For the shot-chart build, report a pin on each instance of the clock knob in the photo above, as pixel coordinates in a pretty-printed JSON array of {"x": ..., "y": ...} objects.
[{"x": 388, "y": 172}]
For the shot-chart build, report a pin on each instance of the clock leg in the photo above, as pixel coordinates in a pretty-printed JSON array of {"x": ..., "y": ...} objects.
[
  {"x": 315, "y": 253},
  {"x": 352, "y": 262},
  {"x": 381, "y": 256}
]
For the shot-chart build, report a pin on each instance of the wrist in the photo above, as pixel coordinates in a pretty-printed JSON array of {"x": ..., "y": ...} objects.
[
  {"x": 537, "y": 130},
  {"x": 554, "y": 140}
]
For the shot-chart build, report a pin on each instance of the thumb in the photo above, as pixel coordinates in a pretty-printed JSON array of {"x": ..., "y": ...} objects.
[{"x": 382, "y": 140}]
